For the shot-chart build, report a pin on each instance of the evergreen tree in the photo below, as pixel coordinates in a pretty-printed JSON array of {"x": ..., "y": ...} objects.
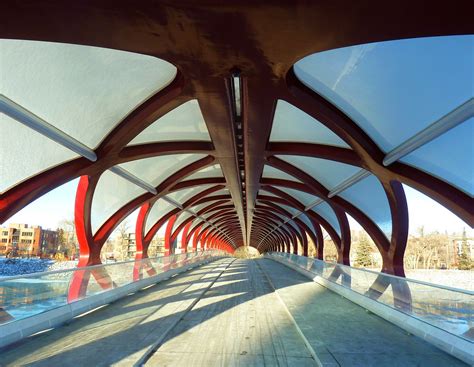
[
  {"x": 464, "y": 262},
  {"x": 364, "y": 250}
]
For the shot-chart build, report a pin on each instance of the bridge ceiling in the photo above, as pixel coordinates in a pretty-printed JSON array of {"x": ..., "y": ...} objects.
[{"x": 225, "y": 115}]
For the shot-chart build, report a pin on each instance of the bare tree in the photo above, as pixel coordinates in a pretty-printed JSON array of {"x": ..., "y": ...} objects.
[
  {"x": 67, "y": 230},
  {"x": 122, "y": 239},
  {"x": 330, "y": 250},
  {"x": 427, "y": 250}
]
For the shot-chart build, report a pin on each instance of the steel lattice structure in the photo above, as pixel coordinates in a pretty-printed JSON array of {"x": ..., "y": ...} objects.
[{"x": 238, "y": 61}]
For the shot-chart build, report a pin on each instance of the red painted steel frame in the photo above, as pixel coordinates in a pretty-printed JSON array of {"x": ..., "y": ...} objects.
[{"x": 238, "y": 36}]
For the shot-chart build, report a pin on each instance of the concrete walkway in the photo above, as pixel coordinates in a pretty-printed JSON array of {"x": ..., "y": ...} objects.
[
  {"x": 343, "y": 333},
  {"x": 227, "y": 313}
]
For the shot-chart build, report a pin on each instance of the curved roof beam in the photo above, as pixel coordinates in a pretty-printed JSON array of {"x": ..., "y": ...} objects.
[
  {"x": 186, "y": 205},
  {"x": 200, "y": 220},
  {"x": 220, "y": 204},
  {"x": 213, "y": 198},
  {"x": 304, "y": 229},
  {"x": 190, "y": 220},
  {"x": 31, "y": 189},
  {"x": 284, "y": 195},
  {"x": 270, "y": 201},
  {"x": 163, "y": 188},
  {"x": 223, "y": 215},
  {"x": 273, "y": 239},
  {"x": 391, "y": 250},
  {"x": 322, "y": 151},
  {"x": 317, "y": 107},
  {"x": 319, "y": 243},
  {"x": 207, "y": 232},
  {"x": 288, "y": 240},
  {"x": 294, "y": 230},
  {"x": 198, "y": 182}
]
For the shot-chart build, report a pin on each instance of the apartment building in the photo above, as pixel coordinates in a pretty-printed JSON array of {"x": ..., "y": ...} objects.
[
  {"x": 125, "y": 249},
  {"x": 25, "y": 240}
]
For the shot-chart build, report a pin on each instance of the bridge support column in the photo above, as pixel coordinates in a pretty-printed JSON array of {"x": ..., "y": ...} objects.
[
  {"x": 168, "y": 232},
  {"x": 184, "y": 238}
]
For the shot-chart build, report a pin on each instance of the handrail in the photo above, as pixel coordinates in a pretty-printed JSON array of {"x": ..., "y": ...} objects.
[
  {"x": 91, "y": 267},
  {"x": 441, "y": 286}
]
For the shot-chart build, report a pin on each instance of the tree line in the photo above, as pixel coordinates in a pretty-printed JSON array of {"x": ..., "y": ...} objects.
[{"x": 433, "y": 250}]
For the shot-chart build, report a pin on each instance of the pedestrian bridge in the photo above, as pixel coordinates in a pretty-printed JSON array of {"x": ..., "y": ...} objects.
[
  {"x": 211, "y": 310},
  {"x": 222, "y": 125}
]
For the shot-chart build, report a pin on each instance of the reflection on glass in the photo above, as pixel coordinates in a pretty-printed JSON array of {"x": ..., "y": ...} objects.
[
  {"x": 449, "y": 309},
  {"x": 28, "y": 295}
]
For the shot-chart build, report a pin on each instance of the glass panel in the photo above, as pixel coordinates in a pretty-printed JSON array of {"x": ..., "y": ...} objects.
[
  {"x": 211, "y": 171},
  {"x": 303, "y": 197},
  {"x": 450, "y": 157},
  {"x": 197, "y": 208},
  {"x": 207, "y": 215},
  {"x": 328, "y": 173},
  {"x": 204, "y": 227},
  {"x": 449, "y": 309},
  {"x": 304, "y": 218},
  {"x": 369, "y": 196},
  {"x": 195, "y": 224},
  {"x": 181, "y": 219},
  {"x": 271, "y": 172},
  {"x": 273, "y": 211},
  {"x": 181, "y": 196},
  {"x": 157, "y": 169},
  {"x": 290, "y": 209},
  {"x": 292, "y": 124},
  {"x": 370, "y": 83},
  {"x": 325, "y": 211},
  {"x": 294, "y": 225},
  {"x": 157, "y": 211},
  {"x": 267, "y": 193},
  {"x": 31, "y": 294},
  {"x": 82, "y": 90},
  {"x": 220, "y": 192},
  {"x": 111, "y": 193},
  {"x": 183, "y": 123},
  {"x": 227, "y": 216},
  {"x": 24, "y": 153}
]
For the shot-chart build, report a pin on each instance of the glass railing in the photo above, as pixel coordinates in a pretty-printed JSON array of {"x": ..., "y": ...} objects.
[
  {"x": 27, "y": 295},
  {"x": 446, "y": 308}
]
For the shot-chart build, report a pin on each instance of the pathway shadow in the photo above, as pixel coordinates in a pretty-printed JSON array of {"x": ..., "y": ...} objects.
[{"x": 112, "y": 342}]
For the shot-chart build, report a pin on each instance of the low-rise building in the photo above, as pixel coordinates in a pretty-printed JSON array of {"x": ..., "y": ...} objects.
[
  {"x": 156, "y": 247},
  {"x": 125, "y": 248},
  {"x": 25, "y": 240}
]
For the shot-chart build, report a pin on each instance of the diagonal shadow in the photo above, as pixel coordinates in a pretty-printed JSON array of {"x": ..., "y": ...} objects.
[{"x": 75, "y": 344}]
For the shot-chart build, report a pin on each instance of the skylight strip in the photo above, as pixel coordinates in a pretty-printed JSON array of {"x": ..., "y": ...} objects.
[
  {"x": 145, "y": 185},
  {"x": 237, "y": 96},
  {"x": 313, "y": 204},
  {"x": 447, "y": 122},
  {"x": 133, "y": 179},
  {"x": 359, "y": 176},
  {"x": 179, "y": 206},
  {"x": 29, "y": 119},
  {"x": 172, "y": 202}
]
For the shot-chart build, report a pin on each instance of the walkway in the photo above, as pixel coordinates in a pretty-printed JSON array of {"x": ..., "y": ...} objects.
[{"x": 227, "y": 314}]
